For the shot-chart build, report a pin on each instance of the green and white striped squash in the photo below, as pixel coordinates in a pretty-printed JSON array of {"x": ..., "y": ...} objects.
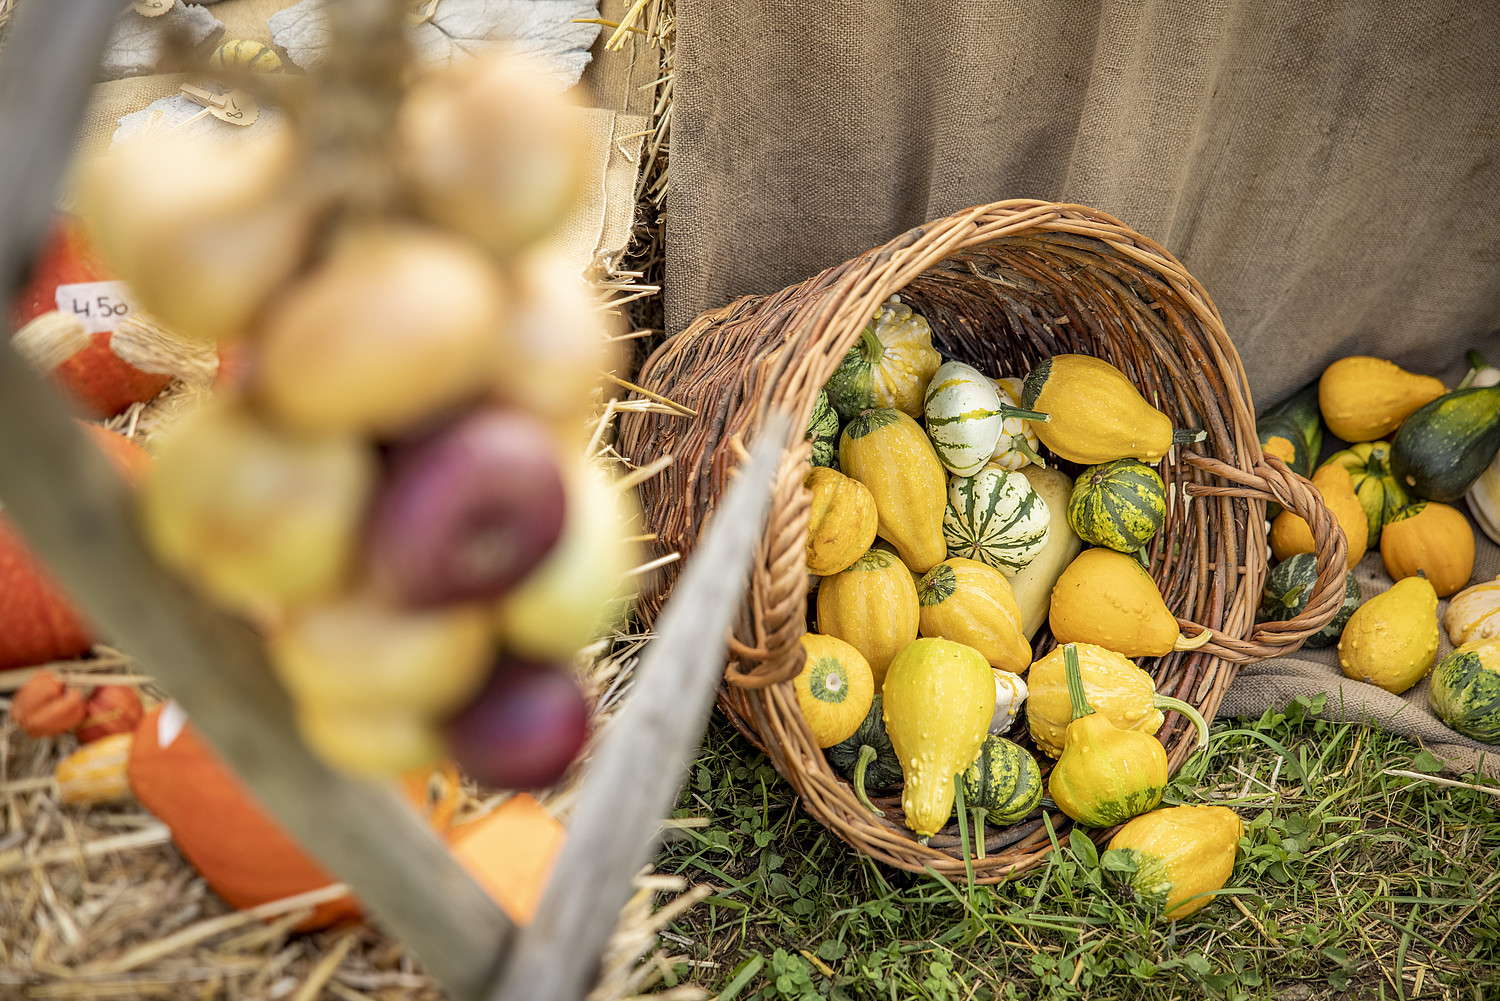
[
  {"x": 997, "y": 518},
  {"x": 963, "y": 417},
  {"x": 1004, "y": 783},
  {"x": 1120, "y": 504},
  {"x": 1017, "y": 445},
  {"x": 1465, "y": 691},
  {"x": 823, "y": 431},
  {"x": 1288, "y": 587}
]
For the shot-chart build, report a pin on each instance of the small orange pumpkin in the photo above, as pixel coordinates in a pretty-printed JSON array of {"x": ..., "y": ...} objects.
[
  {"x": 1291, "y": 535},
  {"x": 1432, "y": 538}
]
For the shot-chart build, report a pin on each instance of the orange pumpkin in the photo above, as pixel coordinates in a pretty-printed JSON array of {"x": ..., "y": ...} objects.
[
  {"x": 241, "y": 852},
  {"x": 1291, "y": 535},
  {"x": 1432, "y": 538},
  {"x": 98, "y": 380}
]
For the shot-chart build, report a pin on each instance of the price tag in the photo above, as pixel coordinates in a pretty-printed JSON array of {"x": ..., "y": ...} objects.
[
  {"x": 152, "y": 8},
  {"x": 100, "y": 305}
]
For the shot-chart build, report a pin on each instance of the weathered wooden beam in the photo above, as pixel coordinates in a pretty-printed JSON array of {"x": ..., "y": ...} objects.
[
  {"x": 58, "y": 491},
  {"x": 639, "y": 765}
]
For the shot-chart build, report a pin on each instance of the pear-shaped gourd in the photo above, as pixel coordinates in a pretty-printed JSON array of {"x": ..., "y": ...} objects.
[
  {"x": 969, "y": 602},
  {"x": 1391, "y": 640},
  {"x": 1115, "y": 687},
  {"x": 1474, "y": 613},
  {"x": 1095, "y": 414},
  {"x": 939, "y": 697},
  {"x": 1177, "y": 857},
  {"x": 1105, "y": 775},
  {"x": 965, "y": 415},
  {"x": 1364, "y": 398},
  {"x": 1106, "y": 597},
  {"x": 889, "y": 452}
]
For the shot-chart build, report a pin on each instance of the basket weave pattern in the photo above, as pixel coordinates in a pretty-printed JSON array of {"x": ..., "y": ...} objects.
[{"x": 1003, "y": 286}]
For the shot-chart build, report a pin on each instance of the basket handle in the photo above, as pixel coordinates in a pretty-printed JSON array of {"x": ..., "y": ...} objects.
[{"x": 1271, "y": 480}]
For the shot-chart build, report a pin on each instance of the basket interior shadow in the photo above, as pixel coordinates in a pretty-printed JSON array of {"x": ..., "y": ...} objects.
[{"x": 1003, "y": 286}]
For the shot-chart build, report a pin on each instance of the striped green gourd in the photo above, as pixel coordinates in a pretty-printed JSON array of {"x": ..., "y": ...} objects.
[
  {"x": 997, "y": 518},
  {"x": 823, "y": 431},
  {"x": 1120, "y": 504},
  {"x": 1288, "y": 587},
  {"x": 1465, "y": 691},
  {"x": 1003, "y": 784},
  {"x": 964, "y": 416}
]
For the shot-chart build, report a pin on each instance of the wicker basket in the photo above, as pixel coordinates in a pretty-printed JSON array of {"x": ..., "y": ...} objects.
[{"x": 1002, "y": 285}]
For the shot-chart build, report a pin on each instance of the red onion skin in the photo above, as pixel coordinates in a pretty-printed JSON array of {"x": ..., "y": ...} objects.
[
  {"x": 467, "y": 511},
  {"x": 524, "y": 729}
]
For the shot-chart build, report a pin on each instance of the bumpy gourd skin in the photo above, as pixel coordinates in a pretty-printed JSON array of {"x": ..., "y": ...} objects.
[
  {"x": 1391, "y": 640},
  {"x": 1116, "y": 688},
  {"x": 889, "y": 366},
  {"x": 939, "y": 698},
  {"x": 890, "y": 454},
  {"x": 1105, "y": 775},
  {"x": 1097, "y": 415},
  {"x": 1180, "y": 852}
]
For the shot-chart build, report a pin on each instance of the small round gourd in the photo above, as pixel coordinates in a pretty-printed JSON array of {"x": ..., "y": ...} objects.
[
  {"x": 1474, "y": 613},
  {"x": 1465, "y": 690},
  {"x": 835, "y": 688},
  {"x": 1290, "y": 584},
  {"x": 965, "y": 416},
  {"x": 1432, "y": 538},
  {"x": 996, "y": 517},
  {"x": 1120, "y": 504},
  {"x": 1004, "y": 783},
  {"x": 823, "y": 431}
]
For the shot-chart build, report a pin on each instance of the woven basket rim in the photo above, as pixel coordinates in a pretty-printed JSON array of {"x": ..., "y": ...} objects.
[{"x": 817, "y": 321}]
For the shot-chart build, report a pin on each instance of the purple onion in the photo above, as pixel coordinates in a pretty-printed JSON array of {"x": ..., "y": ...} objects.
[
  {"x": 468, "y": 511},
  {"x": 524, "y": 729}
]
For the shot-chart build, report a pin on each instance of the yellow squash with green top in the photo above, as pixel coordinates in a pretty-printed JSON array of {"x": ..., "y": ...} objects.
[
  {"x": 1095, "y": 414},
  {"x": 1177, "y": 857}
]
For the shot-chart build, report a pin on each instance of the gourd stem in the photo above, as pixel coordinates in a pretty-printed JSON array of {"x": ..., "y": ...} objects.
[
  {"x": 1018, "y": 442},
  {"x": 871, "y": 350},
  {"x": 1183, "y": 643},
  {"x": 1167, "y": 702},
  {"x": 867, "y": 754},
  {"x": 1477, "y": 364},
  {"x": 1007, "y": 411},
  {"x": 1081, "y": 707},
  {"x": 1182, "y": 436}
]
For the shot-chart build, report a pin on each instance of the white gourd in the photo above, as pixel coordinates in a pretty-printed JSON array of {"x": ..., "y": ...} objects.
[
  {"x": 997, "y": 518},
  {"x": 1010, "y": 699},
  {"x": 1474, "y": 613},
  {"x": 963, "y": 417},
  {"x": 1017, "y": 445},
  {"x": 1483, "y": 498}
]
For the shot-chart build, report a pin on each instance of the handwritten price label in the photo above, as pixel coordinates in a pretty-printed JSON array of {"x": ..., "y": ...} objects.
[{"x": 100, "y": 305}]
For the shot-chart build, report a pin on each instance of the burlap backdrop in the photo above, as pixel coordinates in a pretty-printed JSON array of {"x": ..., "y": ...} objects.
[{"x": 1330, "y": 172}]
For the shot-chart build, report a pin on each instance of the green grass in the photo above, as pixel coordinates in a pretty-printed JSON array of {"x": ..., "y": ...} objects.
[{"x": 1352, "y": 884}]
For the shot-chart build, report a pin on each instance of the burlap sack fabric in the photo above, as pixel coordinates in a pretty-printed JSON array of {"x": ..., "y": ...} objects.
[{"x": 1330, "y": 172}]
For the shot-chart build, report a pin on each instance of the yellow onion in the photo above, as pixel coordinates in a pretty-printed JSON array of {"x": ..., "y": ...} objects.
[
  {"x": 492, "y": 149},
  {"x": 554, "y": 346},
  {"x": 358, "y": 652},
  {"x": 204, "y": 229},
  {"x": 581, "y": 585},
  {"x": 252, "y": 515},
  {"x": 397, "y": 325}
]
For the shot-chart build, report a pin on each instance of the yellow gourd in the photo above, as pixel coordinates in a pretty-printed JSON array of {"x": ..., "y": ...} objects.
[
  {"x": 1364, "y": 398},
  {"x": 969, "y": 602},
  {"x": 889, "y": 452},
  {"x": 1433, "y": 539},
  {"x": 95, "y": 773},
  {"x": 1391, "y": 640},
  {"x": 938, "y": 699},
  {"x": 1097, "y": 415},
  {"x": 1114, "y": 686},
  {"x": 1107, "y": 598},
  {"x": 1179, "y": 853},
  {"x": 841, "y": 525},
  {"x": 872, "y": 606},
  {"x": 1032, "y": 584},
  {"x": 834, "y": 689},
  {"x": 1291, "y": 535},
  {"x": 1474, "y": 614}
]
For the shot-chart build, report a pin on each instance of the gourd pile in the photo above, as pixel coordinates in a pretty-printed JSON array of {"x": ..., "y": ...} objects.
[
  {"x": 1415, "y": 449},
  {"x": 392, "y": 487},
  {"x": 941, "y": 543}
]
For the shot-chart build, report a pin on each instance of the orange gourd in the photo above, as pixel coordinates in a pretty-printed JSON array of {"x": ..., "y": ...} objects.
[
  {"x": 1291, "y": 535},
  {"x": 1432, "y": 538}
]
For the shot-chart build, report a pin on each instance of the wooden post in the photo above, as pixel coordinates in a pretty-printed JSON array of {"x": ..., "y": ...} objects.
[{"x": 74, "y": 513}]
